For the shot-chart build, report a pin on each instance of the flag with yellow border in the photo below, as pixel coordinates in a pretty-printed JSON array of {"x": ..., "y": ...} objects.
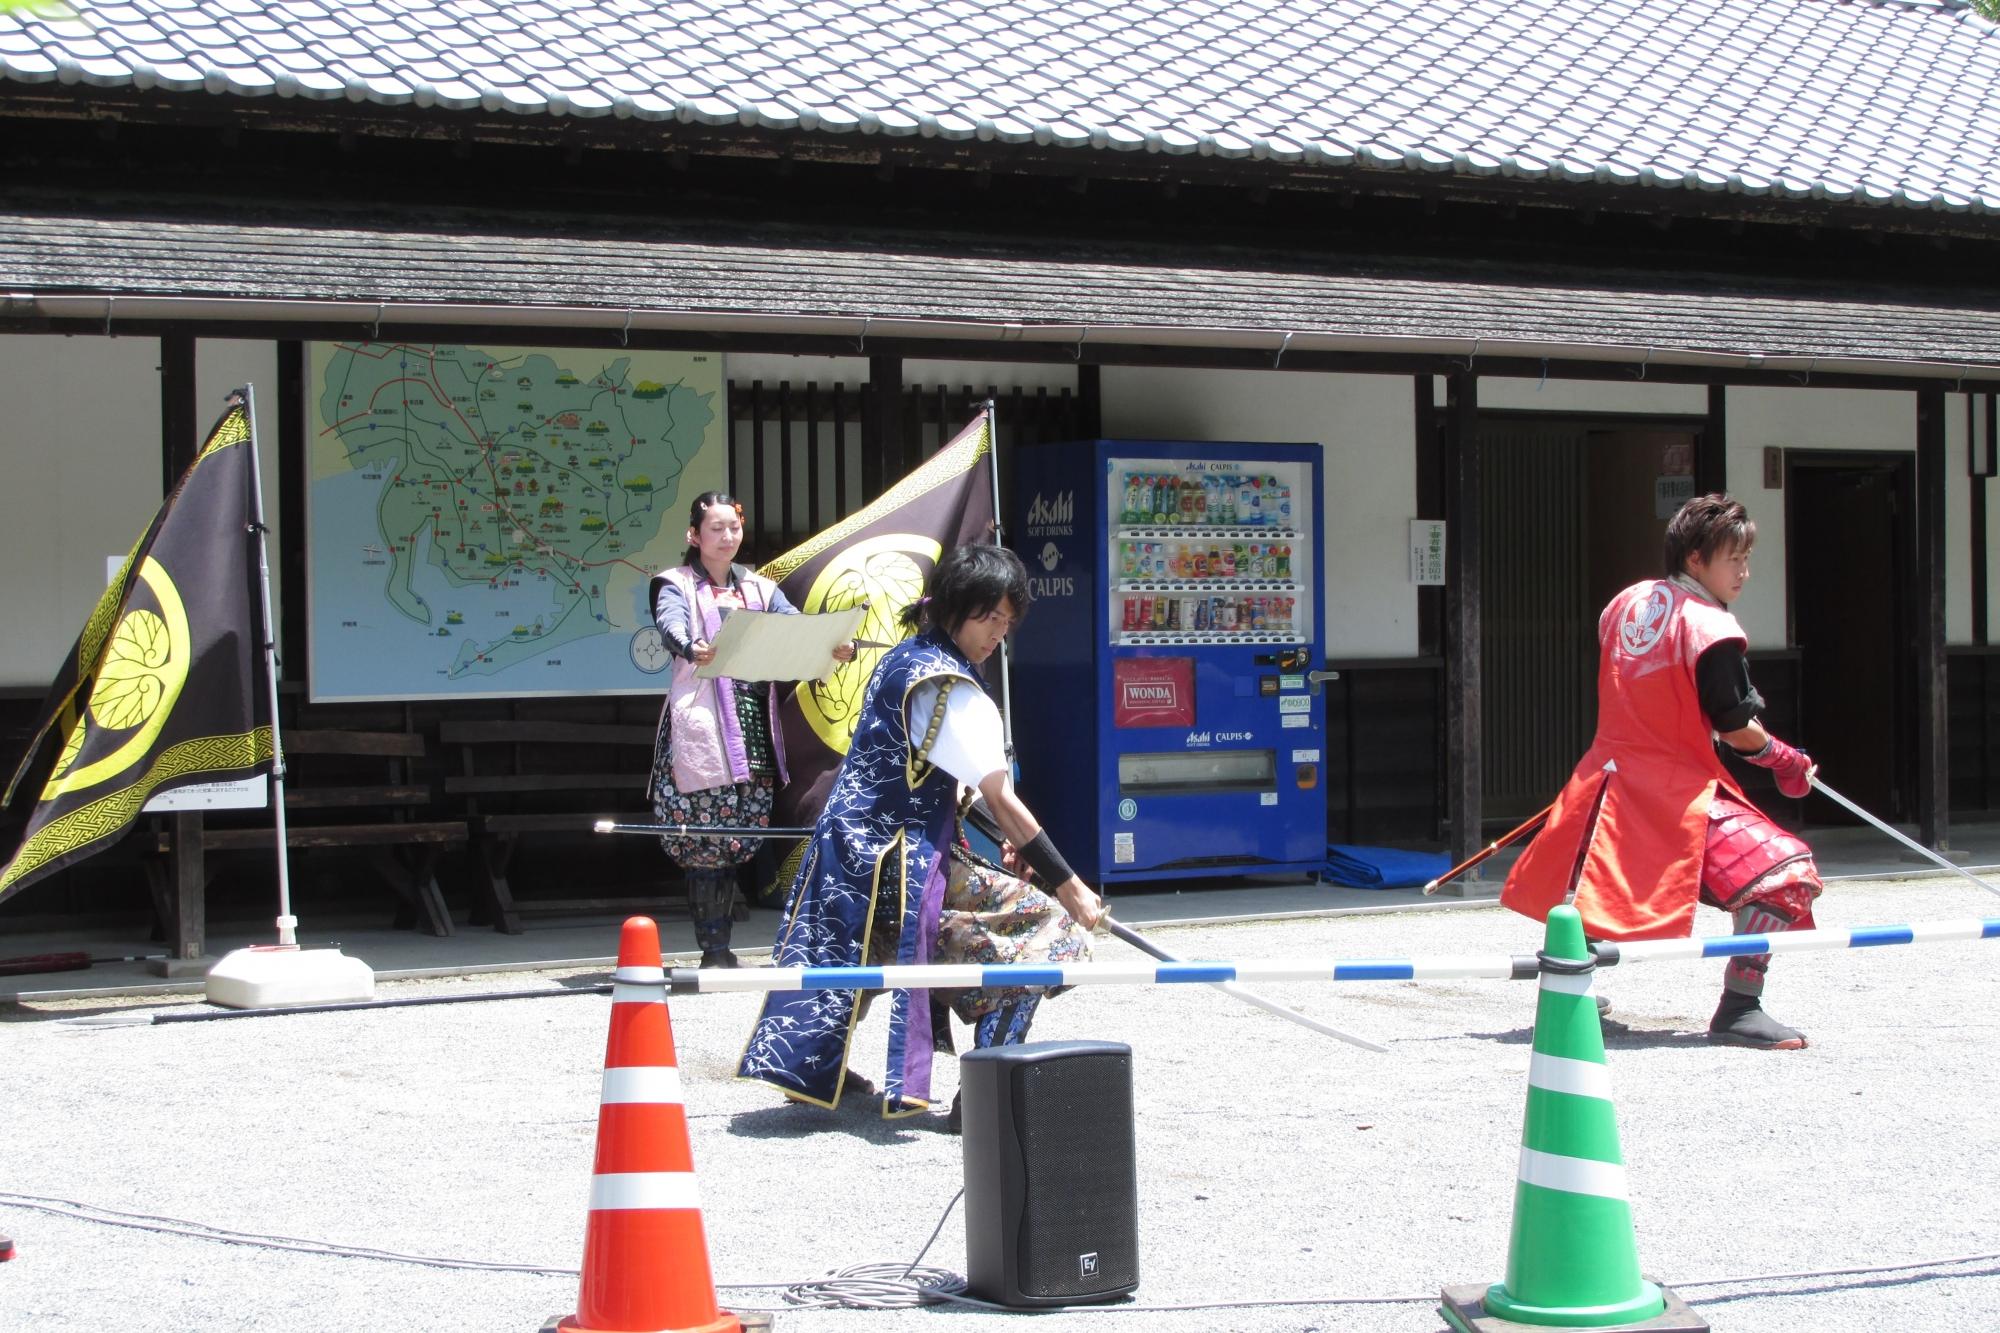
[{"x": 165, "y": 685}]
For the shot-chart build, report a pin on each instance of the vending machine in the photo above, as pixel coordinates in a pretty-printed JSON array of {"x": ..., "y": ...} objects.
[{"x": 1166, "y": 717}]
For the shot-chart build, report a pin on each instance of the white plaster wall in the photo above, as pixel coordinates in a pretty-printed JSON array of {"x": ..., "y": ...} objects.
[
  {"x": 1960, "y": 487},
  {"x": 80, "y": 433},
  {"x": 1798, "y": 419},
  {"x": 853, "y": 370},
  {"x": 1002, "y": 375},
  {"x": 1367, "y": 424},
  {"x": 1589, "y": 396},
  {"x": 824, "y": 370},
  {"x": 1957, "y": 524}
]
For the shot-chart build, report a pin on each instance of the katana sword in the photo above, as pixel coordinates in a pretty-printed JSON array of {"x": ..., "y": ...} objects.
[
  {"x": 699, "y": 830},
  {"x": 1908, "y": 842},
  {"x": 1230, "y": 988}
]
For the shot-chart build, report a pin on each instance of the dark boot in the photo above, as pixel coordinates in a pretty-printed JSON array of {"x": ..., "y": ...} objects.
[
  {"x": 954, "y": 1123},
  {"x": 719, "y": 958},
  {"x": 1740, "y": 1020}
]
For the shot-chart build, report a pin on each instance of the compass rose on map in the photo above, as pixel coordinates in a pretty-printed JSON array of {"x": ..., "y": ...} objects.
[{"x": 649, "y": 651}]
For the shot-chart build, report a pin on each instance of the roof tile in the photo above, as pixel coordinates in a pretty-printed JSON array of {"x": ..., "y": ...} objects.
[{"x": 1747, "y": 95}]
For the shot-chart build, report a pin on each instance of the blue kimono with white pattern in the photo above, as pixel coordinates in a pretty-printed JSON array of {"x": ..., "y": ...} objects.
[{"x": 876, "y": 865}]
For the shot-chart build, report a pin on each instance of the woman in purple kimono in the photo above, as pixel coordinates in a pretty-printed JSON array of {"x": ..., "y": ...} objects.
[{"x": 719, "y": 754}]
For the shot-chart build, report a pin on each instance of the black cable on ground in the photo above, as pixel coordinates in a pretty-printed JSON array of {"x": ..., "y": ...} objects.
[{"x": 870, "y": 1286}]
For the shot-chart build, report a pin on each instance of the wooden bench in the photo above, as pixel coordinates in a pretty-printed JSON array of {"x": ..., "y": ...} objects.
[
  {"x": 544, "y": 777},
  {"x": 327, "y": 806}
]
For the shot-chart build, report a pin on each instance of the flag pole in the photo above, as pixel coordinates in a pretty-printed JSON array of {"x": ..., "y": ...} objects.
[
  {"x": 261, "y": 976},
  {"x": 999, "y": 539},
  {"x": 288, "y": 925}
]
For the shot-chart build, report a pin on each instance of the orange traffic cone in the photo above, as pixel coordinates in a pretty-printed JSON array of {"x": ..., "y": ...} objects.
[{"x": 645, "y": 1255}]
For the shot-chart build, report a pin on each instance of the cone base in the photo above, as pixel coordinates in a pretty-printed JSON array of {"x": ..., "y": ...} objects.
[
  {"x": 725, "y": 1322},
  {"x": 1465, "y": 1309}
]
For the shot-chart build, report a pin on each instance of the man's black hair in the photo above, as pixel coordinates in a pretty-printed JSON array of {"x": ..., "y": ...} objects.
[
  {"x": 969, "y": 582},
  {"x": 1706, "y": 525}
]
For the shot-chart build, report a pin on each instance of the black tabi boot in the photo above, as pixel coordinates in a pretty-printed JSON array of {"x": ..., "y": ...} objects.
[{"x": 1740, "y": 1020}]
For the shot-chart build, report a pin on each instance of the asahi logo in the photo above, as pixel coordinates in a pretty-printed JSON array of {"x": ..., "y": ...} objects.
[
  {"x": 1200, "y": 738},
  {"x": 1052, "y": 518}
]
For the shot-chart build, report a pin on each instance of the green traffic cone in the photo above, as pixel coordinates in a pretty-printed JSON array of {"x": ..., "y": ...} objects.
[{"x": 1573, "y": 1258}]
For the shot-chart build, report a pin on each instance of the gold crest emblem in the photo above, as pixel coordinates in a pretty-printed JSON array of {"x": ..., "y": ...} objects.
[{"x": 884, "y": 574}]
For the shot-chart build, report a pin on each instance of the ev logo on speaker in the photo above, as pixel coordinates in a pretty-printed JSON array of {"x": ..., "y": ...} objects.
[{"x": 1086, "y": 1264}]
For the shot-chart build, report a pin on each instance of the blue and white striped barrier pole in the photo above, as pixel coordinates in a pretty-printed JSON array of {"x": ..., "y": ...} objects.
[{"x": 1443, "y": 967}]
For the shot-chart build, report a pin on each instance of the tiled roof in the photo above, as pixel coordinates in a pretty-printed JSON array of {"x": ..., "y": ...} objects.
[
  {"x": 1875, "y": 101},
  {"x": 459, "y": 272}
]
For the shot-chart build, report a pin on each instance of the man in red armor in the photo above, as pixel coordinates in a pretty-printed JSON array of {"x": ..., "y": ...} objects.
[{"x": 1650, "y": 822}]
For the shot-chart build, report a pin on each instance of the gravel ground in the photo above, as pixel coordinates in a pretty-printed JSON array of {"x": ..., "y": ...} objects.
[{"x": 1274, "y": 1165}]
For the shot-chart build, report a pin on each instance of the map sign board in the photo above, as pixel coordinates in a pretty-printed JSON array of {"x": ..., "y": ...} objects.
[{"x": 483, "y": 520}]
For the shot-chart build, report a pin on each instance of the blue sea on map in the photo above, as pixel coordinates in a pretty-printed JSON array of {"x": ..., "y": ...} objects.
[{"x": 377, "y": 662}]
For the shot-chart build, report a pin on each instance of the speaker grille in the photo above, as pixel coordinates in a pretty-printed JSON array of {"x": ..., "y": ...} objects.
[{"x": 1080, "y": 1225}]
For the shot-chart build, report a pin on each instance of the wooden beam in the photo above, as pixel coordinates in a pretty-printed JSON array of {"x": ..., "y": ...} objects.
[
  {"x": 178, "y": 427},
  {"x": 1464, "y": 761},
  {"x": 1933, "y": 710},
  {"x": 1090, "y": 400},
  {"x": 289, "y": 570},
  {"x": 1979, "y": 423},
  {"x": 1711, "y": 455},
  {"x": 882, "y": 443}
]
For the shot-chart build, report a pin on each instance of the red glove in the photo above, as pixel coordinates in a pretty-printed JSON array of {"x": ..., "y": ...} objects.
[{"x": 1792, "y": 767}]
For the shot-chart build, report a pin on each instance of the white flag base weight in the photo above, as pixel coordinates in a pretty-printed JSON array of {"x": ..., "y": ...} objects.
[{"x": 264, "y": 976}]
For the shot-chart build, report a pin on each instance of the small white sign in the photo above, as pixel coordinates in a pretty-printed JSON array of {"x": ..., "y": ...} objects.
[
  {"x": 251, "y": 793},
  {"x": 1267, "y": 798},
  {"x": 1305, "y": 756},
  {"x": 1295, "y": 720},
  {"x": 1295, "y": 703},
  {"x": 1670, "y": 493},
  {"x": 1427, "y": 551},
  {"x": 1121, "y": 849}
]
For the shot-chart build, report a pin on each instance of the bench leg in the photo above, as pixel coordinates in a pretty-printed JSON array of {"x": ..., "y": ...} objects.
[
  {"x": 497, "y": 895},
  {"x": 423, "y": 901},
  {"x": 160, "y": 887}
]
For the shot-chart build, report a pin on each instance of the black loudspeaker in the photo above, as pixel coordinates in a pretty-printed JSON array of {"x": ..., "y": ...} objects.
[{"x": 1051, "y": 1185}]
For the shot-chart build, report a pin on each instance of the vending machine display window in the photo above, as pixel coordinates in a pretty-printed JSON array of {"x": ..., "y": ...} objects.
[{"x": 1170, "y": 655}]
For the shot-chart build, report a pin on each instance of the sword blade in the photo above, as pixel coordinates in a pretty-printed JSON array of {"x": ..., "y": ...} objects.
[
  {"x": 1911, "y": 843},
  {"x": 1232, "y": 989}
]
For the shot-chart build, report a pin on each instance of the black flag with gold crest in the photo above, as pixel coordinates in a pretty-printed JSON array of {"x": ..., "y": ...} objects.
[
  {"x": 164, "y": 686},
  {"x": 881, "y": 555}
]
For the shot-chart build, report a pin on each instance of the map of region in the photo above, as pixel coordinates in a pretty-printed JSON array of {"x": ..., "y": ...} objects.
[{"x": 483, "y": 520}]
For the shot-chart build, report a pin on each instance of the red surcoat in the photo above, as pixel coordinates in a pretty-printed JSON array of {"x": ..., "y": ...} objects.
[{"x": 1650, "y": 773}]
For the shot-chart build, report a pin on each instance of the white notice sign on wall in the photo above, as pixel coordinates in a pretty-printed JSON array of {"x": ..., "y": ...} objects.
[{"x": 1427, "y": 551}]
